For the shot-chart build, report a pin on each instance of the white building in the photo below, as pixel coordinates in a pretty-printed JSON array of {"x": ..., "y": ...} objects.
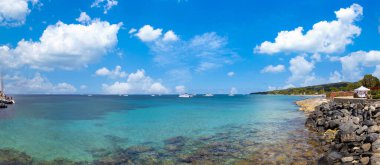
[{"x": 362, "y": 92}]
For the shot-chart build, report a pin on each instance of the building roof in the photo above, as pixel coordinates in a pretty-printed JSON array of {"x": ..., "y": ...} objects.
[{"x": 362, "y": 88}]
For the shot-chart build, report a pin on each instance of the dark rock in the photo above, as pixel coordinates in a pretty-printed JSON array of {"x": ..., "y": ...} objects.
[
  {"x": 371, "y": 137},
  {"x": 175, "y": 140},
  {"x": 333, "y": 124},
  {"x": 334, "y": 156},
  {"x": 138, "y": 149}
]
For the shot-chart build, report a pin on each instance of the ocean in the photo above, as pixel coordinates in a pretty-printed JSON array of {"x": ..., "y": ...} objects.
[{"x": 161, "y": 129}]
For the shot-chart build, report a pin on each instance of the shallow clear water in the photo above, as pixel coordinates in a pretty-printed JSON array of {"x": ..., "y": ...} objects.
[{"x": 47, "y": 127}]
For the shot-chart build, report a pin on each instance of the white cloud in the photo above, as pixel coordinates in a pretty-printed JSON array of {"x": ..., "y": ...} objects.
[
  {"x": 14, "y": 12},
  {"x": 354, "y": 63},
  {"x": 64, "y": 46},
  {"x": 201, "y": 53},
  {"x": 377, "y": 71},
  {"x": 324, "y": 37},
  {"x": 335, "y": 77},
  {"x": 273, "y": 69},
  {"x": 82, "y": 87},
  {"x": 180, "y": 89},
  {"x": 84, "y": 18},
  {"x": 316, "y": 57},
  {"x": 300, "y": 70},
  {"x": 147, "y": 33},
  {"x": 231, "y": 74},
  {"x": 170, "y": 36},
  {"x": 132, "y": 30},
  {"x": 106, "y": 4},
  {"x": 38, "y": 85},
  {"x": 137, "y": 83},
  {"x": 116, "y": 73}
]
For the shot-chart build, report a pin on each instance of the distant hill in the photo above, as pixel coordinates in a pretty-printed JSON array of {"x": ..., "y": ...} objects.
[{"x": 315, "y": 89}]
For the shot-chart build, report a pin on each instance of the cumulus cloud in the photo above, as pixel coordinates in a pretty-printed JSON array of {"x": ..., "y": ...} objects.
[
  {"x": 106, "y": 4},
  {"x": 335, "y": 77},
  {"x": 36, "y": 85},
  {"x": 180, "y": 89},
  {"x": 231, "y": 74},
  {"x": 147, "y": 33},
  {"x": 273, "y": 69},
  {"x": 324, "y": 37},
  {"x": 301, "y": 70},
  {"x": 170, "y": 36},
  {"x": 354, "y": 63},
  {"x": 64, "y": 46},
  {"x": 116, "y": 73},
  {"x": 84, "y": 18},
  {"x": 137, "y": 83},
  {"x": 14, "y": 12}
]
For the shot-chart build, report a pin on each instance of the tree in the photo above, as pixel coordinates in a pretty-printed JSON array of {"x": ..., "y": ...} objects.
[{"x": 370, "y": 81}]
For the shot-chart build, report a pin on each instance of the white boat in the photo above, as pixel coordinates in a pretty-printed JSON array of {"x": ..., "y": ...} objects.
[
  {"x": 89, "y": 95},
  {"x": 125, "y": 95},
  {"x": 209, "y": 95},
  {"x": 185, "y": 95},
  {"x": 153, "y": 95}
]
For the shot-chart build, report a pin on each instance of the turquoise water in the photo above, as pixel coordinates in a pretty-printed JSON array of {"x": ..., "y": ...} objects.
[{"x": 48, "y": 127}]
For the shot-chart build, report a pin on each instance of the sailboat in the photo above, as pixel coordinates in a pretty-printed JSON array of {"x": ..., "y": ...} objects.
[{"x": 232, "y": 92}]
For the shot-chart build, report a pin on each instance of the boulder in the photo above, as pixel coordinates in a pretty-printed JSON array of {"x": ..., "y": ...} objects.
[
  {"x": 356, "y": 120},
  {"x": 366, "y": 147},
  {"x": 347, "y": 159},
  {"x": 371, "y": 137},
  {"x": 376, "y": 146},
  {"x": 364, "y": 160},
  {"x": 361, "y": 129},
  {"x": 350, "y": 137},
  {"x": 348, "y": 127},
  {"x": 369, "y": 123}
]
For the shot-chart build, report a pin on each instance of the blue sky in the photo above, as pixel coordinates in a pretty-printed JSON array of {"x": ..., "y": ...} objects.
[{"x": 171, "y": 46}]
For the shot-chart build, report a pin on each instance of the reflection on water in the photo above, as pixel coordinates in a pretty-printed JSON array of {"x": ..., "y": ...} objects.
[{"x": 154, "y": 130}]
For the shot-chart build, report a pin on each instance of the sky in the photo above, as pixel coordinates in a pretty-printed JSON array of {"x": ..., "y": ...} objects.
[{"x": 177, "y": 46}]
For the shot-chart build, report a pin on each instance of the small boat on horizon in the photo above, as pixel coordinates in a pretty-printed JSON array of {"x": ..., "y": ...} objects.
[
  {"x": 209, "y": 95},
  {"x": 185, "y": 95},
  {"x": 89, "y": 95}
]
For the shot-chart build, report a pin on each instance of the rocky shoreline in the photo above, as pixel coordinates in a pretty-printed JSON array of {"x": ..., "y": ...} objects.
[
  {"x": 308, "y": 105},
  {"x": 349, "y": 132}
]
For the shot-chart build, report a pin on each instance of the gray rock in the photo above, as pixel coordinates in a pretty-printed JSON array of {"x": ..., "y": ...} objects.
[
  {"x": 369, "y": 123},
  {"x": 334, "y": 156},
  {"x": 348, "y": 127},
  {"x": 374, "y": 129},
  {"x": 361, "y": 130}
]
